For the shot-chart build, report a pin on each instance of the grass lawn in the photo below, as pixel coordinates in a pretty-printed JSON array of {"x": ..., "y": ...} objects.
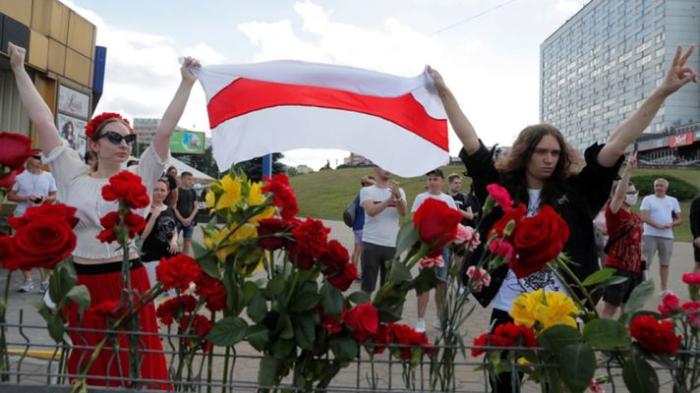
[{"x": 325, "y": 194}]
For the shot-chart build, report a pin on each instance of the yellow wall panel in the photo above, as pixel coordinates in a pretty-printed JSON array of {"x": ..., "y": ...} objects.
[
  {"x": 81, "y": 34},
  {"x": 59, "y": 22},
  {"x": 57, "y": 57},
  {"x": 38, "y": 50},
  {"x": 20, "y": 10},
  {"x": 41, "y": 16},
  {"x": 78, "y": 67}
]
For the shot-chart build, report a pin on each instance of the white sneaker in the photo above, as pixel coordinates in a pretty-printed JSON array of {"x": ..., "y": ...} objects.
[
  {"x": 663, "y": 293},
  {"x": 420, "y": 325},
  {"x": 437, "y": 324},
  {"x": 28, "y": 286}
]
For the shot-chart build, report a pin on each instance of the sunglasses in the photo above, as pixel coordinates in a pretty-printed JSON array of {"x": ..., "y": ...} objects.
[
  {"x": 36, "y": 157},
  {"x": 117, "y": 138}
]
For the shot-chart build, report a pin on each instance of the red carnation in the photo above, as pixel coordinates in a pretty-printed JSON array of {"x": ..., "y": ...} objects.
[
  {"x": 7, "y": 260},
  {"x": 178, "y": 272},
  {"x": 344, "y": 279},
  {"x": 499, "y": 194},
  {"x": 45, "y": 211},
  {"x": 128, "y": 188},
  {"x": 199, "y": 326},
  {"x": 8, "y": 180},
  {"x": 213, "y": 292},
  {"x": 14, "y": 150},
  {"x": 691, "y": 278},
  {"x": 516, "y": 215},
  {"x": 382, "y": 339},
  {"x": 436, "y": 224},
  {"x": 310, "y": 238},
  {"x": 282, "y": 195},
  {"x": 505, "y": 335},
  {"x": 653, "y": 335},
  {"x": 363, "y": 321},
  {"x": 94, "y": 123},
  {"x": 174, "y": 308},
  {"x": 270, "y": 231},
  {"x": 331, "y": 324},
  {"x": 109, "y": 310},
  {"x": 409, "y": 338},
  {"x": 134, "y": 224}
]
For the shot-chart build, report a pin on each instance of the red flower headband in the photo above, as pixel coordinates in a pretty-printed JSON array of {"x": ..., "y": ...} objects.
[{"x": 97, "y": 121}]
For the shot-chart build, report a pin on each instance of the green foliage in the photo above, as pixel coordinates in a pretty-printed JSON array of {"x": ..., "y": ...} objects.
[{"x": 678, "y": 187}]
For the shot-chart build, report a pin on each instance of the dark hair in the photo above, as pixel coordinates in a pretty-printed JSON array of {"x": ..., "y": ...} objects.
[
  {"x": 170, "y": 167},
  {"x": 514, "y": 165},
  {"x": 132, "y": 162},
  {"x": 165, "y": 181},
  {"x": 185, "y": 173},
  {"x": 436, "y": 172}
]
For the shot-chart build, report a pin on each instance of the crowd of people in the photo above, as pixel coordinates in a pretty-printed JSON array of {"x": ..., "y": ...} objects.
[{"x": 540, "y": 170}]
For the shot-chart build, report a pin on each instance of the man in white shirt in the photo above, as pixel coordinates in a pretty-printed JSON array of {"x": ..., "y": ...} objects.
[
  {"x": 32, "y": 188},
  {"x": 435, "y": 180},
  {"x": 660, "y": 213},
  {"x": 384, "y": 202}
]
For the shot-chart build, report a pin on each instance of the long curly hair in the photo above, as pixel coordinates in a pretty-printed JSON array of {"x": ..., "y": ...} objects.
[{"x": 513, "y": 167}]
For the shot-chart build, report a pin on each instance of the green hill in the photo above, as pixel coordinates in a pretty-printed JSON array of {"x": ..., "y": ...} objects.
[{"x": 325, "y": 194}]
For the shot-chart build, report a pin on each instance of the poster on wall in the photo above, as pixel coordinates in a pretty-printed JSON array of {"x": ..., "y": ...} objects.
[
  {"x": 187, "y": 142},
  {"x": 72, "y": 130},
  {"x": 73, "y": 102}
]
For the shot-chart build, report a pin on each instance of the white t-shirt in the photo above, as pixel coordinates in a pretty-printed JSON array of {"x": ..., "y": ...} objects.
[
  {"x": 420, "y": 198},
  {"x": 544, "y": 279},
  {"x": 27, "y": 183},
  {"x": 380, "y": 229},
  {"x": 660, "y": 211}
]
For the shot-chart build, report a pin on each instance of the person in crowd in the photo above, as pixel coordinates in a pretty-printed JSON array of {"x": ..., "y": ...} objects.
[
  {"x": 359, "y": 222},
  {"x": 173, "y": 184},
  {"x": 98, "y": 265},
  {"x": 539, "y": 170},
  {"x": 159, "y": 237},
  {"x": 624, "y": 245},
  {"x": 467, "y": 205},
  {"x": 660, "y": 213},
  {"x": 186, "y": 211},
  {"x": 435, "y": 182},
  {"x": 32, "y": 188},
  {"x": 600, "y": 234},
  {"x": 384, "y": 203},
  {"x": 695, "y": 231}
]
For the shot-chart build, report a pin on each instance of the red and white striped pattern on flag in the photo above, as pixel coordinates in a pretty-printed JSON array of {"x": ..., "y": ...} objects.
[{"x": 254, "y": 109}]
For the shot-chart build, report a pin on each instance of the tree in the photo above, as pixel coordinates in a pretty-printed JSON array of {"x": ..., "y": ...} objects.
[
  {"x": 203, "y": 162},
  {"x": 253, "y": 168}
]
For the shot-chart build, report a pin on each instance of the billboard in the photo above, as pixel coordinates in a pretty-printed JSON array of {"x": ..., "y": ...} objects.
[{"x": 187, "y": 142}]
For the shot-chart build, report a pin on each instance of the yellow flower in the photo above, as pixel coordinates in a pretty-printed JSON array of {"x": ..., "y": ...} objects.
[
  {"x": 540, "y": 309},
  {"x": 257, "y": 198},
  {"x": 231, "y": 195},
  {"x": 210, "y": 199},
  {"x": 522, "y": 361},
  {"x": 227, "y": 243}
]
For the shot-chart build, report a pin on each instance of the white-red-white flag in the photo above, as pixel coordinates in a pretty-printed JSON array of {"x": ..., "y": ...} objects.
[{"x": 256, "y": 109}]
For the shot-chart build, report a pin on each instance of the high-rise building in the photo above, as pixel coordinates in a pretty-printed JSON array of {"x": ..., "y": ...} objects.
[{"x": 599, "y": 66}]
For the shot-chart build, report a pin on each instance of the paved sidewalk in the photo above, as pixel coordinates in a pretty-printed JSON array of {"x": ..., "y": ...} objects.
[{"x": 247, "y": 369}]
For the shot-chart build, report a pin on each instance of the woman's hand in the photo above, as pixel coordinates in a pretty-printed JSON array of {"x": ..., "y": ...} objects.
[
  {"x": 440, "y": 84},
  {"x": 172, "y": 247},
  {"x": 679, "y": 74},
  {"x": 17, "y": 54},
  {"x": 188, "y": 65}
]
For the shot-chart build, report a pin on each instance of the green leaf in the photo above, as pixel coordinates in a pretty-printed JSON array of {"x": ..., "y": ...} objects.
[
  {"x": 285, "y": 327},
  {"x": 56, "y": 328},
  {"x": 258, "y": 336},
  {"x": 227, "y": 331},
  {"x": 199, "y": 250},
  {"x": 638, "y": 375},
  {"x": 250, "y": 290},
  {"x": 344, "y": 348},
  {"x": 331, "y": 299},
  {"x": 257, "y": 308},
  {"x": 61, "y": 281},
  {"x": 359, "y": 297},
  {"x": 406, "y": 239},
  {"x": 80, "y": 295},
  {"x": 282, "y": 348},
  {"x": 399, "y": 272},
  {"x": 305, "y": 331},
  {"x": 605, "y": 334},
  {"x": 304, "y": 301},
  {"x": 210, "y": 265},
  {"x": 268, "y": 371},
  {"x": 577, "y": 366},
  {"x": 275, "y": 287},
  {"x": 639, "y": 296},
  {"x": 558, "y": 336},
  {"x": 599, "y": 276}
]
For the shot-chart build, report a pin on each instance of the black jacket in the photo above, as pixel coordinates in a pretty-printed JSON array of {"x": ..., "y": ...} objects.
[
  {"x": 695, "y": 217},
  {"x": 577, "y": 199}
]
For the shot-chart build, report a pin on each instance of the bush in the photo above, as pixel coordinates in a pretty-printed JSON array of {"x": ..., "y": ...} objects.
[{"x": 678, "y": 188}]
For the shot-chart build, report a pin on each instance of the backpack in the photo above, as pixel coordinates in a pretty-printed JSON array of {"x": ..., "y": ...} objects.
[{"x": 349, "y": 215}]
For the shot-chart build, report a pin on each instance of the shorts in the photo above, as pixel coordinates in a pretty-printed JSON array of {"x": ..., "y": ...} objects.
[
  {"x": 653, "y": 244},
  {"x": 187, "y": 231},
  {"x": 358, "y": 236},
  {"x": 442, "y": 272},
  {"x": 617, "y": 295},
  {"x": 375, "y": 261},
  {"x": 696, "y": 253}
]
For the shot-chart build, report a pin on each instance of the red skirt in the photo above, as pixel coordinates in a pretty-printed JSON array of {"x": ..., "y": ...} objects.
[{"x": 113, "y": 360}]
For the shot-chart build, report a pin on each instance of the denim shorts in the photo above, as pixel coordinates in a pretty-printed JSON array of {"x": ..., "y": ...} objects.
[{"x": 187, "y": 231}]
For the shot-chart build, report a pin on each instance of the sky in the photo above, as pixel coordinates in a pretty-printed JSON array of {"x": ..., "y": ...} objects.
[{"x": 487, "y": 50}]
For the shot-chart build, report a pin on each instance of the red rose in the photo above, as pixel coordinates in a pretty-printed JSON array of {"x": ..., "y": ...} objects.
[
  {"x": 45, "y": 211},
  {"x": 505, "y": 335},
  {"x": 310, "y": 238},
  {"x": 199, "y": 326},
  {"x": 333, "y": 258},
  {"x": 344, "y": 279},
  {"x": 538, "y": 240},
  {"x": 282, "y": 195},
  {"x": 499, "y": 194},
  {"x": 213, "y": 292},
  {"x": 382, "y": 339},
  {"x": 408, "y": 337},
  {"x": 331, "y": 325},
  {"x": 42, "y": 243},
  {"x": 8, "y": 180},
  {"x": 7, "y": 260},
  {"x": 178, "y": 272},
  {"x": 270, "y": 231},
  {"x": 14, "y": 149},
  {"x": 436, "y": 224},
  {"x": 128, "y": 188},
  {"x": 174, "y": 308},
  {"x": 653, "y": 335},
  {"x": 363, "y": 321}
]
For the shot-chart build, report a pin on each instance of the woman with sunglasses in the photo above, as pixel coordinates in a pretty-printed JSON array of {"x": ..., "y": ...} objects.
[{"x": 98, "y": 264}]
